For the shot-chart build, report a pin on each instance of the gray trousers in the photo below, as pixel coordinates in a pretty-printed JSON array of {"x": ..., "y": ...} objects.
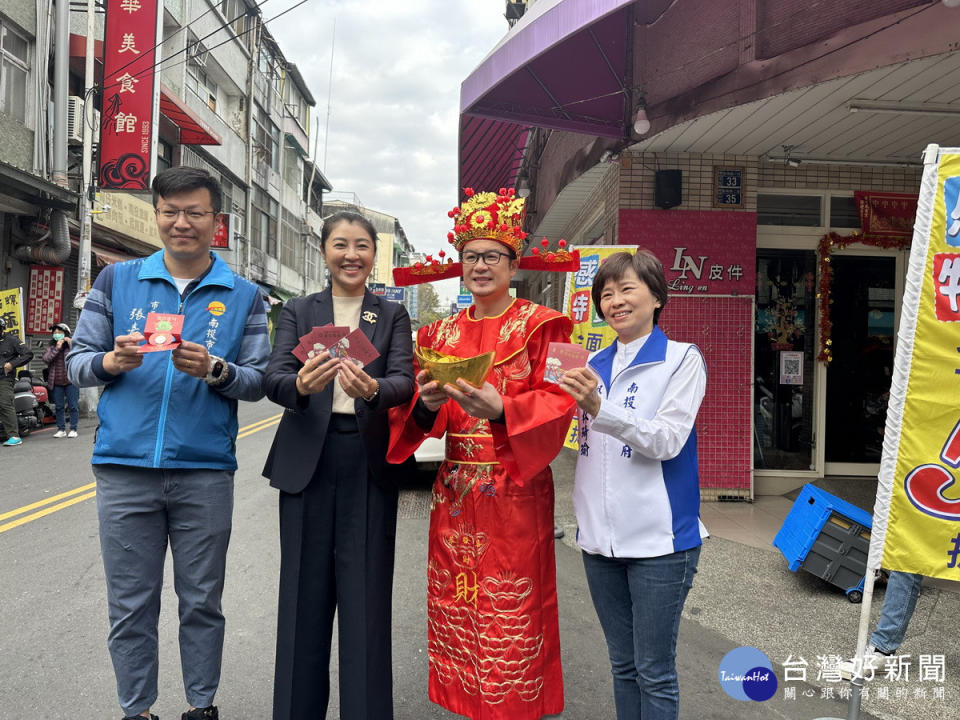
[
  {"x": 140, "y": 509},
  {"x": 8, "y": 413}
]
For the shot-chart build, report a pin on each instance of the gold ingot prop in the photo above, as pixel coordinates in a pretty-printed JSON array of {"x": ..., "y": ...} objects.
[{"x": 445, "y": 369}]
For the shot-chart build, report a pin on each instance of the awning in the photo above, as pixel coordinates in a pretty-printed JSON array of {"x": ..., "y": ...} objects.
[
  {"x": 275, "y": 295},
  {"x": 193, "y": 130},
  {"x": 105, "y": 256},
  {"x": 566, "y": 65},
  {"x": 490, "y": 152}
]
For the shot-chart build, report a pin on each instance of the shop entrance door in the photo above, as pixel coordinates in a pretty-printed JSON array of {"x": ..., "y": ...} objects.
[{"x": 865, "y": 296}]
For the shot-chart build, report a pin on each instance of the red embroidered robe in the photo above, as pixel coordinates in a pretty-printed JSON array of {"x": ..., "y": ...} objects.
[{"x": 493, "y": 638}]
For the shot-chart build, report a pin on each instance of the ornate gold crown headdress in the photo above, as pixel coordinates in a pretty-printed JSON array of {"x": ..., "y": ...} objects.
[{"x": 489, "y": 216}]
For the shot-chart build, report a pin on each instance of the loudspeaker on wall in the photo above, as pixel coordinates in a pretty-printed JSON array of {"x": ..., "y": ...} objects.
[{"x": 667, "y": 188}]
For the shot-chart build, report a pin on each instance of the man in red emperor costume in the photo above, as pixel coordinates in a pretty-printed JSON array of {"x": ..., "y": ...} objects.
[{"x": 494, "y": 646}]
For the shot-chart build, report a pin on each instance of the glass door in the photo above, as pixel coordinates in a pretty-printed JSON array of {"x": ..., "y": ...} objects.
[
  {"x": 863, "y": 313},
  {"x": 784, "y": 360}
]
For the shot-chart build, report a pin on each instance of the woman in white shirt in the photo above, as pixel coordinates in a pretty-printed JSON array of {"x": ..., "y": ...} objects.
[{"x": 637, "y": 494}]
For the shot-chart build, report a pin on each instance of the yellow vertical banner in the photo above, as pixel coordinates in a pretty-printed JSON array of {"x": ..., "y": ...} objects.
[
  {"x": 917, "y": 514},
  {"x": 11, "y": 310},
  {"x": 589, "y": 331}
]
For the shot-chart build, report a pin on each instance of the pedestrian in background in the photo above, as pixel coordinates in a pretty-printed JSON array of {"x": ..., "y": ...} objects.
[
  {"x": 338, "y": 496},
  {"x": 13, "y": 354},
  {"x": 65, "y": 394},
  {"x": 164, "y": 455},
  {"x": 637, "y": 491}
]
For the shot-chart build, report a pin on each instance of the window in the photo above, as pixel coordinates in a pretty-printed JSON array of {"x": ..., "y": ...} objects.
[
  {"x": 290, "y": 240},
  {"x": 14, "y": 68},
  {"x": 236, "y": 14},
  {"x": 202, "y": 85},
  {"x": 313, "y": 260},
  {"x": 266, "y": 138},
  {"x": 843, "y": 212},
  {"x": 794, "y": 210},
  {"x": 164, "y": 154},
  {"x": 263, "y": 224}
]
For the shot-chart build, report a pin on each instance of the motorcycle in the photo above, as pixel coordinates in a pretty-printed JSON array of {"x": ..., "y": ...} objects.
[{"x": 30, "y": 400}]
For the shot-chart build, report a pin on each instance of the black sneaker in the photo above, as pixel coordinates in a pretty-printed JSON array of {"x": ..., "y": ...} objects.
[{"x": 207, "y": 713}]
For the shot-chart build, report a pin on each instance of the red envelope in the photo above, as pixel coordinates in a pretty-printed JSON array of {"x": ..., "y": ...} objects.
[
  {"x": 162, "y": 332},
  {"x": 355, "y": 347},
  {"x": 562, "y": 357},
  {"x": 319, "y": 339}
]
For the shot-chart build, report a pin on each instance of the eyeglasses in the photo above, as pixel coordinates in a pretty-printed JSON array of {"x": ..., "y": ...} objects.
[
  {"x": 192, "y": 216},
  {"x": 491, "y": 257}
]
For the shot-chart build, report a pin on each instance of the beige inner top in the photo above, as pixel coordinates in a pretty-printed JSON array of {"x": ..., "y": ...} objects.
[{"x": 346, "y": 312}]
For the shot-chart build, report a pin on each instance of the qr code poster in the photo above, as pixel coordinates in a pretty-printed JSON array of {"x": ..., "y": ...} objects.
[{"x": 791, "y": 368}]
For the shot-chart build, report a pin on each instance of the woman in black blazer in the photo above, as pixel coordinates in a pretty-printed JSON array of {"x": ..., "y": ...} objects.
[{"x": 338, "y": 496}]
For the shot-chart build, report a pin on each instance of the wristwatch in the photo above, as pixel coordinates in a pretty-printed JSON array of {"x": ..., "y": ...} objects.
[
  {"x": 217, "y": 371},
  {"x": 375, "y": 393}
]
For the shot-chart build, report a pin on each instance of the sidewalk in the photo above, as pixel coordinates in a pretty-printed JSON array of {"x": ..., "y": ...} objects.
[{"x": 745, "y": 592}]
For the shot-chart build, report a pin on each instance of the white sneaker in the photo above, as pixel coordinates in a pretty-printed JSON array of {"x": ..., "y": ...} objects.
[
  {"x": 60, "y": 433},
  {"x": 72, "y": 434},
  {"x": 873, "y": 660}
]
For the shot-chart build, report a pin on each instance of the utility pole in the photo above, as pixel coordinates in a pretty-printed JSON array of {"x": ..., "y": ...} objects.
[
  {"x": 88, "y": 397},
  {"x": 86, "y": 183},
  {"x": 248, "y": 174}
]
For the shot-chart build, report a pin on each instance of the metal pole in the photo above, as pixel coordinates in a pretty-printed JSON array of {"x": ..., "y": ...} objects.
[
  {"x": 61, "y": 89},
  {"x": 248, "y": 174},
  {"x": 88, "y": 396}
]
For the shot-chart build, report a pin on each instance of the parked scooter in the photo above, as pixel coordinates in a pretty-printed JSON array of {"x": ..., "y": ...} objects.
[{"x": 30, "y": 399}]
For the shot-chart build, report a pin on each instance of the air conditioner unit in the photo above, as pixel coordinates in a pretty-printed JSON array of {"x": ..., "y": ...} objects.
[{"x": 75, "y": 120}]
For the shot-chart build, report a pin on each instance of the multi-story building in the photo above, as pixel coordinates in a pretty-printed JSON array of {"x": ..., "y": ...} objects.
[{"x": 229, "y": 102}]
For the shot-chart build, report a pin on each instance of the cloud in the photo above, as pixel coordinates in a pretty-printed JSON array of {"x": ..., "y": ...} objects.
[{"x": 395, "y": 97}]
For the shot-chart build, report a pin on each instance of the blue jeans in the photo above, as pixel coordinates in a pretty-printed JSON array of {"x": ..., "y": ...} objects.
[
  {"x": 638, "y": 602},
  {"x": 66, "y": 395},
  {"x": 140, "y": 509},
  {"x": 898, "y": 605}
]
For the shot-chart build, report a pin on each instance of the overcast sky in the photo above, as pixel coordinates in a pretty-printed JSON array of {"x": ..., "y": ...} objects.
[{"x": 395, "y": 98}]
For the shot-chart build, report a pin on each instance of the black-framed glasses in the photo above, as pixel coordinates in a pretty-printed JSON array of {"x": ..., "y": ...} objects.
[
  {"x": 192, "y": 216},
  {"x": 491, "y": 257}
]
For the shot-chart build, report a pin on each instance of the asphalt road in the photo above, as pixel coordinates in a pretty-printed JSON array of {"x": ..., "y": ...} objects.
[{"x": 53, "y": 626}]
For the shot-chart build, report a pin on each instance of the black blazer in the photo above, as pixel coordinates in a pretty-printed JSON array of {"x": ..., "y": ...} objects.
[{"x": 299, "y": 440}]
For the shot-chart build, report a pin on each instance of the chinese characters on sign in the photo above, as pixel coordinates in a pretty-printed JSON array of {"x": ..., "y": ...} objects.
[
  {"x": 129, "y": 98},
  {"x": 703, "y": 252},
  {"x": 45, "y": 301}
]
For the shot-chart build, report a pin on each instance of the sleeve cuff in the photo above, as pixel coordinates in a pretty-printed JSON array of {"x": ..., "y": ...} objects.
[{"x": 97, "y": 366}]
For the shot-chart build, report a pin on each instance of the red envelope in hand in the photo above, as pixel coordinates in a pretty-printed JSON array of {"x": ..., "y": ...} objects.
[
  {"x": 562, "y": 357},
  {"x": 355, "y": 347},
  {"x": 162, "y": 332},
  {"x": 319, "y": 339}
]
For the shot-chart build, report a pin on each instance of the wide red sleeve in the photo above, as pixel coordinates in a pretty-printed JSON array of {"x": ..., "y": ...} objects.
[
  {"x": 537, "y": 420},
  {"x": 405, "y": 434}
]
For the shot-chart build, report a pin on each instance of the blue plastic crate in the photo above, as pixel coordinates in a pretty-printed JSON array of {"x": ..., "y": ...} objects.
[{"x": 836, "y": 531}]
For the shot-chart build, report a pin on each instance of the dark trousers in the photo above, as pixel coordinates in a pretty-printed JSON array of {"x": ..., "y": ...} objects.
[
  {"x": 337, "y": 542},
  {"x": 8, "y": 413}
]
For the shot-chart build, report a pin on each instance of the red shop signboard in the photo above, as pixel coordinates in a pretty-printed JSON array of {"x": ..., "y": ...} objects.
[
  {"x": 131, "y": 41},
  {"x": 45, "y": 302}
]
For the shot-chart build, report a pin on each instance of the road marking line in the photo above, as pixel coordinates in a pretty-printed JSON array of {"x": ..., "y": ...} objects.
[
  {"x": 266, "y": 422},
  {"x": 242, "y": 433},
  {"x": 45, "y": 512},
  {"x": 47, "y": 501},
  {"x": 269, "y": 422}
]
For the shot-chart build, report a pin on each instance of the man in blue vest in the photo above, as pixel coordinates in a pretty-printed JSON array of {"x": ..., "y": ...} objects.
[{"x": 164, "y": 454}]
